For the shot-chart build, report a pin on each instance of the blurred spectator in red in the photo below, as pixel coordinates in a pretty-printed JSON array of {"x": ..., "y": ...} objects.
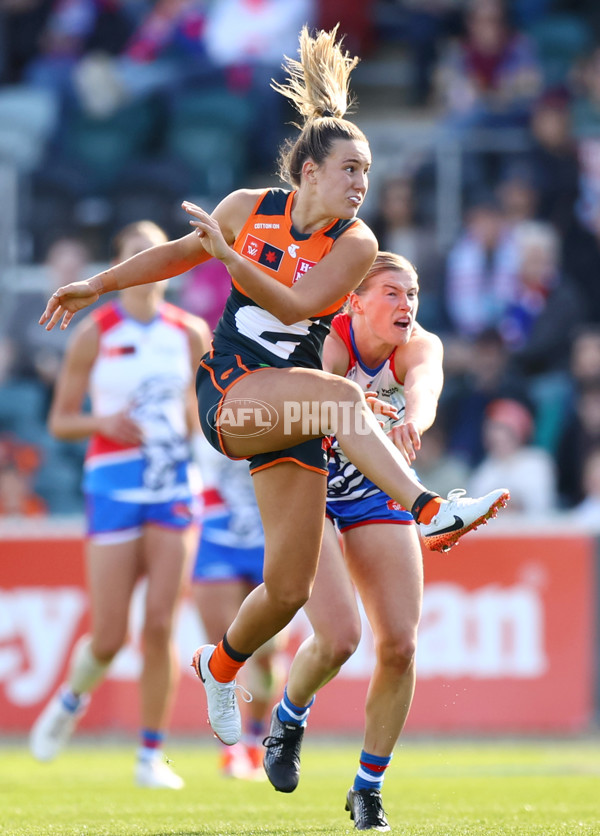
[
  {"x": 399, "y": 229},
  {"x": 18, "y": 465},
  {"x": 526, "y": 470},
  {"x": 356, "y": 22},
  {"x": 491, "y": 75}
]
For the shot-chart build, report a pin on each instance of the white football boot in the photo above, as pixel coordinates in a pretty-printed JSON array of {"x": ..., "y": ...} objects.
[
  {"x": 155, "y": 774},
  {"x": 223, "y": 709},
  {"x": 54, "y": 727},
  {"x": 460, "y": 514}
]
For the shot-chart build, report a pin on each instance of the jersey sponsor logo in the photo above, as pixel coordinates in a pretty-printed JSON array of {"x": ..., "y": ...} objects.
[
  {"x": 117, "y": 350},
  {"x": 266, "y": 226},
  {"x": 262, "y": 253},
  {"x": 302, "y": 268},
  {"x": 293, "y": 250}
]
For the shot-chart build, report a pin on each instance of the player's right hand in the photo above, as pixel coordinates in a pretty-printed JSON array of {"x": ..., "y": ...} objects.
[
  {"x": 121, "y": 427},
  {"x": 66, "y": 301}
]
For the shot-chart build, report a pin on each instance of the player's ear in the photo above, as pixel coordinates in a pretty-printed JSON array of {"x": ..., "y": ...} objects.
[
  {"x": 309, "y": 170},
  {"x": 355, "y": 303}
]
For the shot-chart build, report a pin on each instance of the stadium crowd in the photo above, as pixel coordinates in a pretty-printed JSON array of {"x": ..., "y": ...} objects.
[{"x": 115, "y": 110}]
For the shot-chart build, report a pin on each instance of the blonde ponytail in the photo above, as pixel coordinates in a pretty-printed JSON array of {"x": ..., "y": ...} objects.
[
  {"x": 318, "y": 87},
  {"x": 318, "y": 84}
]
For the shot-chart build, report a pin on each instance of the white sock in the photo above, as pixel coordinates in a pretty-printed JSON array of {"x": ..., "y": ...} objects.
[{"x": 85, "y": 671}]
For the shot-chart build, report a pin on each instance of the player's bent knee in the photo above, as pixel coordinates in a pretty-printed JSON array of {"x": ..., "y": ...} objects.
[{"x": 398, "y": 654}]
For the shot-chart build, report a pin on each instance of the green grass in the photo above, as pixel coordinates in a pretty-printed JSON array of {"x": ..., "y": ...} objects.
[{"x": 441, "y": 788}]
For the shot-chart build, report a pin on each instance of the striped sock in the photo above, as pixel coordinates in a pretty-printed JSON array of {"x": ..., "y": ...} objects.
[
  {"x": 70, "y": 701},
  {"x": 371, "y": 771},
  {"x": 290, "y": 713},
  {"x": 151, "y": 741},
  {"x": 256, "y": 729}
]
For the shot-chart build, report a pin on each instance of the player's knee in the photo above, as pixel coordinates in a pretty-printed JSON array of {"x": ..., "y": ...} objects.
[
  {"x": 287, "y": 596},
  {"x": 344, "y": 390},
  {"x": 398, "y": 652},
  {"x": 341, "y": 649},
  {"x": 157, "y": 630},
  {"x": 105, "y": 650}
]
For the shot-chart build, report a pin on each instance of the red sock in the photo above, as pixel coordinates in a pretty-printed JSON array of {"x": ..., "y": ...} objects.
[
  {"x": 222, "y": 666},
  {"x": 429, "y": 510}
]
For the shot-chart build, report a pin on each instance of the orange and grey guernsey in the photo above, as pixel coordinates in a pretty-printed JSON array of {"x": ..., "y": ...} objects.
[{"x": 269, "y": 240}]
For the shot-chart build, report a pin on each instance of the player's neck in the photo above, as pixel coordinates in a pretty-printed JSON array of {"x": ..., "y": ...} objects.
[
  {"x": 373, "y": 351},
  {"x": 308, "y": 215}
]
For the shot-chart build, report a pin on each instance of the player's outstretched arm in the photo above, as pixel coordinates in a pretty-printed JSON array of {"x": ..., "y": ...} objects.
[{"x": 162, "y": 261}]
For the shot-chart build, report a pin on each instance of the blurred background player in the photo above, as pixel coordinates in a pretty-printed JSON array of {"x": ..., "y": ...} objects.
[
  {"x": 229, "y": 564},
  {"x": 136, "y": 357}
]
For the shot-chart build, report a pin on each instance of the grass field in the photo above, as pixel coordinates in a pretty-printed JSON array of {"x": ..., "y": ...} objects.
[{"x": 450, "y": 789}]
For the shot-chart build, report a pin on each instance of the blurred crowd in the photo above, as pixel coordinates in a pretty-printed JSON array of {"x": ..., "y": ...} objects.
[{"x": 134, "y": 105}]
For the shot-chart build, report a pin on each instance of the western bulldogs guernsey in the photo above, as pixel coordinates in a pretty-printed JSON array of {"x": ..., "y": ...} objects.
[
  {"x": 146, "y": 369},
  {"x": 345, "y": 482},
  {"x": 269, "y": 239}
]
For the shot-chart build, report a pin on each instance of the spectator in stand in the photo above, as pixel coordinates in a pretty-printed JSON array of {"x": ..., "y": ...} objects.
[
  {"x": 587, "y": 511},
  {"x": 73, "y": 29},
  {"x": 21, "y": 25},
  {"x": 486, "y": 80},
  {"x": 247, "y": 38},
  {"x": 480, "y": 375},
  {"x": 18, "y": 465},
  {"x": 585, "y": 355},
  {"x": 165, "y": 50},
  {"x": 517, "y": 197},
  {"x": 528, "y": 470},
  {"x": 480, "y": 271},
  {"x": 490, "y": 76},
  {"x": 554, "y": 160},
  {"x": 582, "y": 254},
  {"x": 586, "y": 126},
  {"x": 399, "y": 229},
  {"x": 584, "y": 372},
  {"x": 538, "y": 324},
  {"x": 580, "y": 435},
  {"x": 37, "y": 354},
  {"x": 436, "y": 464}
]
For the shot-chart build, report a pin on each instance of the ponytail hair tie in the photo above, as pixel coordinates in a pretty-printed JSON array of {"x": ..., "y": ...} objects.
[{"x": 328, "y": 113}]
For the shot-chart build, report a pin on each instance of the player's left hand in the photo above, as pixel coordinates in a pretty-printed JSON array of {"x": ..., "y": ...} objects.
[
  {"x": 379, "y": 407},
  {"x": 66, "y": 301}
]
